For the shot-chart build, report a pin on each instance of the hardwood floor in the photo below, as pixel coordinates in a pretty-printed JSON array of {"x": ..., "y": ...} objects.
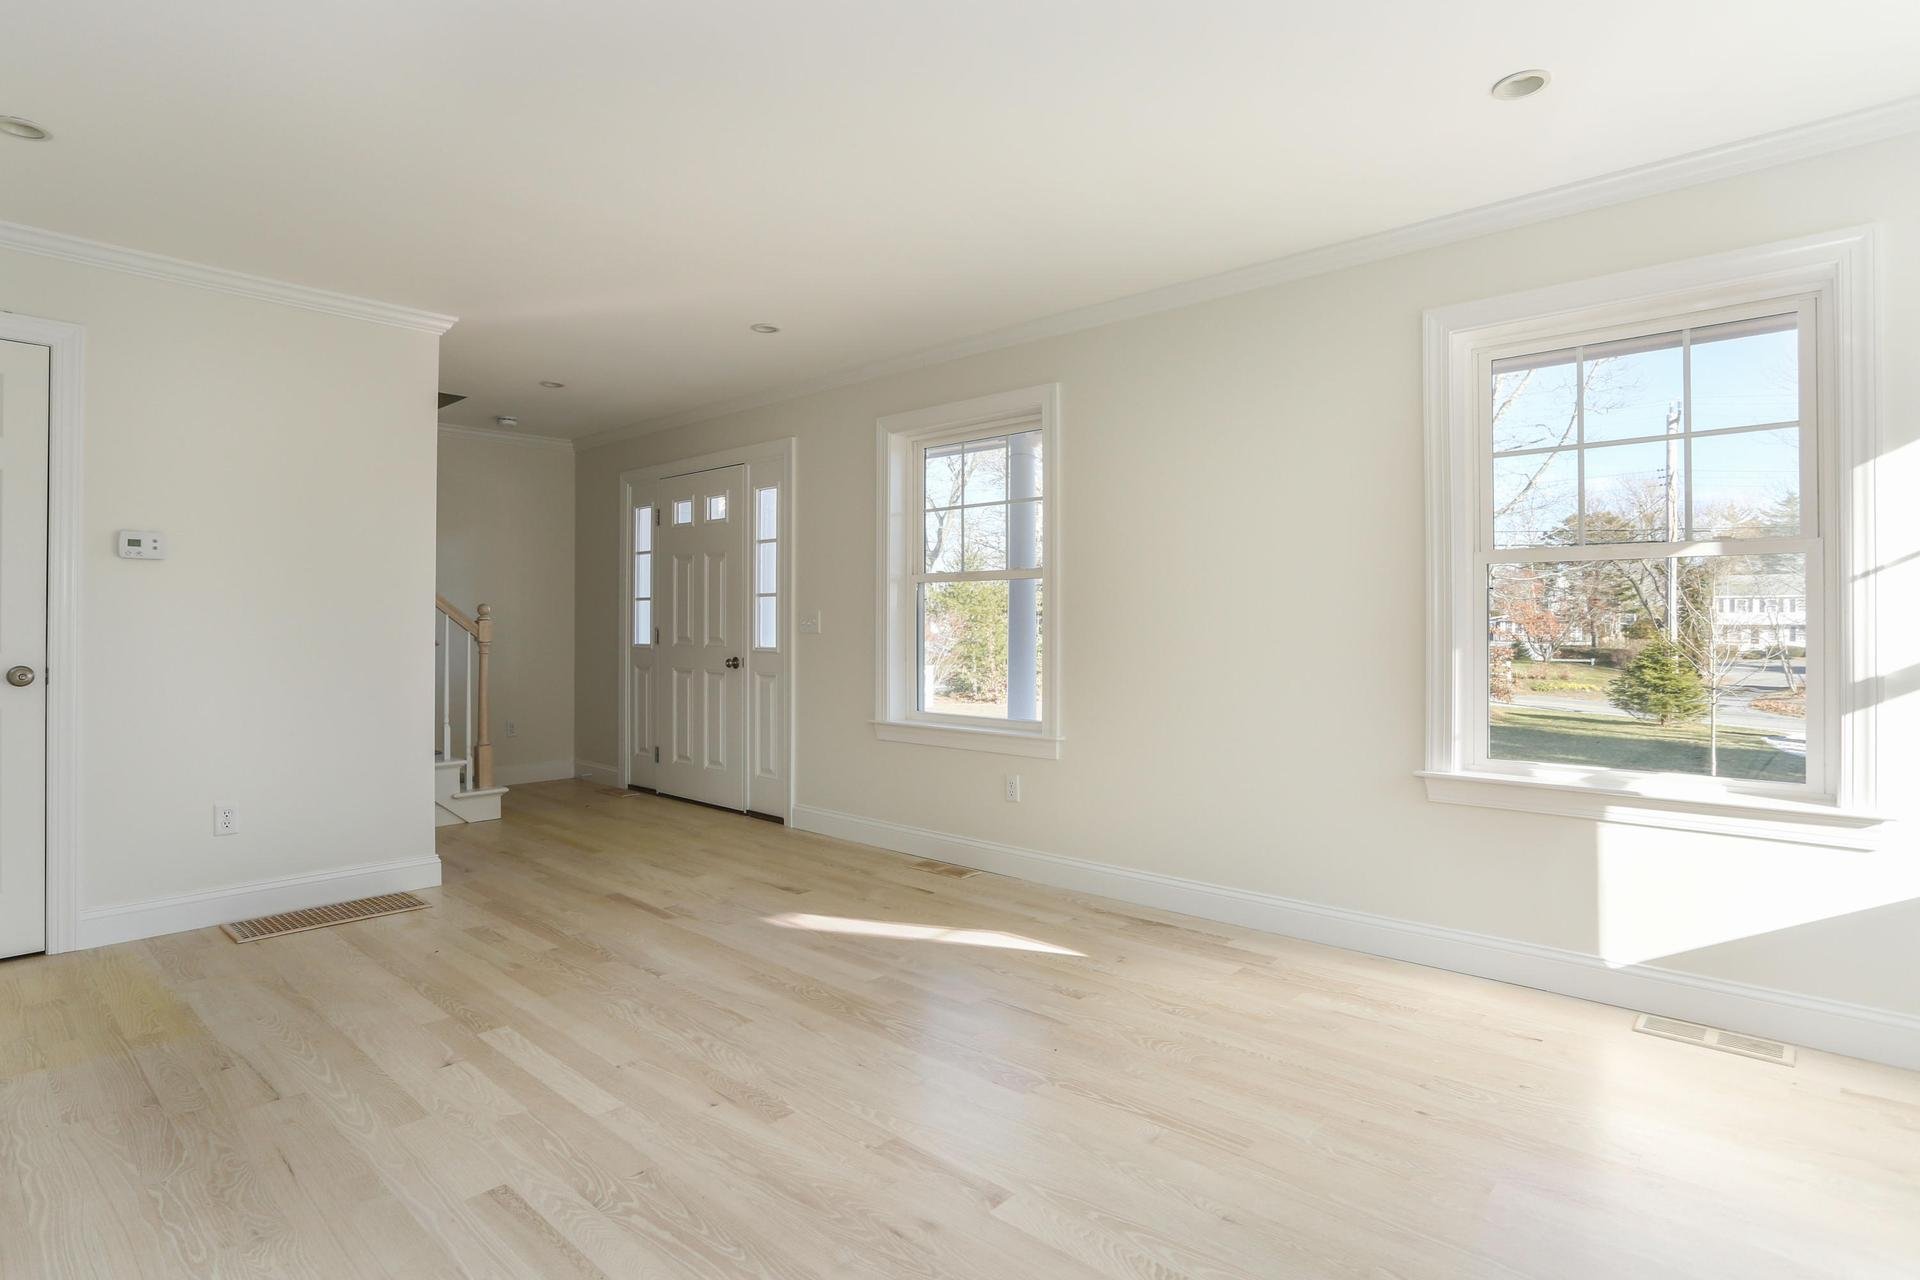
[{"x": 637, "y": 1038}]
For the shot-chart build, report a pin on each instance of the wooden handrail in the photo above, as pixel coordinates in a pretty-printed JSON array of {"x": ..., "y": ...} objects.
[
  {"x": 480, "y": 627},
  {"x": 456, "y": 615}
]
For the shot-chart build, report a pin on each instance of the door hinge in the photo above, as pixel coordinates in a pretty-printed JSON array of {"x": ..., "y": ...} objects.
[
  {"x": 656, "y": 635},
  {"x": 656, "y": 517},
  {"x": 656, "y": 755}
]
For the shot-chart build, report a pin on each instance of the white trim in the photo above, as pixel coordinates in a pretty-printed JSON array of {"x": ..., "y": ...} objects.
[
  {"x": 767, "y": 451},
  {"x": 490, "y": 436},
  {"x": 154, "y": 266},
  {"x": 1837, "y": 270},
  {"x": 104, "y": 926},
  {"x": 517, "y": 775},
  {"x": 896, "y": 717},
  {"x": 1754, "y": 817},
  {"x": 593, "y": 771},
  {"x": 1006, "y": 742},
  {"x": 780, "y": 454},
  {"x": 1875, "y": 124},
  {"x": 1880, "y": 1035},
  {"x": 66, "y": 424}
]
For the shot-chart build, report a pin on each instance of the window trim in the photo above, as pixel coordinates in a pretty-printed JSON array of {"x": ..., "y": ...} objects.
[
  {"x": 899, "y": 437},
  {"x": 1834, "y": 272}
]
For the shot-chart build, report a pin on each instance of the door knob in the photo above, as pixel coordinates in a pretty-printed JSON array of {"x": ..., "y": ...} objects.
[
  {"x": 19, "y": 677},
  {"x": 733, "y": 664}
]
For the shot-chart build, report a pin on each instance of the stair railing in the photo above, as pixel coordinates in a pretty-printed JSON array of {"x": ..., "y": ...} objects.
[{"x": 476, "y": 645}]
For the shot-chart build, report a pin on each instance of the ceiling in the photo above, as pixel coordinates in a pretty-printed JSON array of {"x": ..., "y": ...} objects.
[{"x": 608, "y": 192}]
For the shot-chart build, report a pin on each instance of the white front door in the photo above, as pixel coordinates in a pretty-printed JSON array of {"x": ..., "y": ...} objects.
[
  {"x": 700, "y": 606},
  {"x": 23, "y": 647}
]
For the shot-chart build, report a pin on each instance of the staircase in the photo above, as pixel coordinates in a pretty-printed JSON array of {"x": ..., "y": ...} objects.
[{"x": 463, "y": 789}]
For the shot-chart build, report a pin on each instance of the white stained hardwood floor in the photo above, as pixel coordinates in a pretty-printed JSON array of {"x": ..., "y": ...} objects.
[{"x": 638, "y": 1038}]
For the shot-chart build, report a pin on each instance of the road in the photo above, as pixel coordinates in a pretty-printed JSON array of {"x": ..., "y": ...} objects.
[{"x": 1754, "y": 681}]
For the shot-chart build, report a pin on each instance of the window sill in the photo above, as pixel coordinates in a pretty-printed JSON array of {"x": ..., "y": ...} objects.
[
  {"x": 1006, "y": 742},
  {"x": 1755, "y": 817}
]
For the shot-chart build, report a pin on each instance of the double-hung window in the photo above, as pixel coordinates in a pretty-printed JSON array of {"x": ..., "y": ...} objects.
[
  {"x": 1645, "y": 515},
  {"x": 968, "y": 629}
]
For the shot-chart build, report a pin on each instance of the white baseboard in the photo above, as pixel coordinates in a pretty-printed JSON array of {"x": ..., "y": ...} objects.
[
  {"x": 1880, "y": 1035},
  {"x": 593, "y": 771},
  {"x": 516, "y": 775},
  {"x": 103, "y": 926}
]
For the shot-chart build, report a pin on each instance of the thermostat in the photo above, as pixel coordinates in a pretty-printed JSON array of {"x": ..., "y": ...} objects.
[{"x": 141, "y": 544}]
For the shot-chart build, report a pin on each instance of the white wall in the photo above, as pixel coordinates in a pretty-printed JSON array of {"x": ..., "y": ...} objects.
[
  {"x": 506, "y": 539},
  {"x": 1248, "y": 712},
  {"x": 281, "y": 657}
]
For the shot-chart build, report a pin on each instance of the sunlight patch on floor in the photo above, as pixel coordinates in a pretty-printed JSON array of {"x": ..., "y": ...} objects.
[{"x": 917, "y": 933}]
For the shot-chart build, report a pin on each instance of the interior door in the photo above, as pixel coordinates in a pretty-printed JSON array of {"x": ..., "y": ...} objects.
[
  {"x": 700, "y": 606},
  {"x": 23, "y": 647}
]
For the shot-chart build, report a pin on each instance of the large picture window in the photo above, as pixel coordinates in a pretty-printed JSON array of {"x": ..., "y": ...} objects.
[
  {"x": 966, "y": 601},
  {"x": 1644, "y": 520}
]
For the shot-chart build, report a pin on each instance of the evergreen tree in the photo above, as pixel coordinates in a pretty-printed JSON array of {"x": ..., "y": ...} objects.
[{"x": 1660, "y": 684}]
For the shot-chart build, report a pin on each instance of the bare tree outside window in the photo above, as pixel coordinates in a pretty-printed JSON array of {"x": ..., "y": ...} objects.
[{"x": 1665, "y": 441}]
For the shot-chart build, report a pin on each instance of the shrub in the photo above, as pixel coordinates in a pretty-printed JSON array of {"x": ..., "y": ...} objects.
[
  {"x": 1660, "y": 685},
  {"x": 1500, "y": 672}
]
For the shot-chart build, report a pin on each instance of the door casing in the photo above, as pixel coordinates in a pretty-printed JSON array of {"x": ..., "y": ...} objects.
[{"x": 768, "y": 676}]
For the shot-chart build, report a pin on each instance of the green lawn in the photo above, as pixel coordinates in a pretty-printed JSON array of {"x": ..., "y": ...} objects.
[{"x": 1621, "y": 742}]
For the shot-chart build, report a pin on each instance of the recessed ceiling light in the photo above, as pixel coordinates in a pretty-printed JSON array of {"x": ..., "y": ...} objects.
[
  {"x": 551, "y": 386},
  {"x": 504, "y": 421},
  {"x": 27, "y": 129},
  {"x": 764, "y": 328},
  {"x": 1521, "y": 84}
]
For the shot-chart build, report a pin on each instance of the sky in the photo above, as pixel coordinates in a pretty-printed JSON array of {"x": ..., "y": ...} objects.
[{"x": 1740, "y": 379}]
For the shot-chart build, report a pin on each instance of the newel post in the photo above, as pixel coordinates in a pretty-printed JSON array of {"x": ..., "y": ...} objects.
[{"x": 482, "y": 731}]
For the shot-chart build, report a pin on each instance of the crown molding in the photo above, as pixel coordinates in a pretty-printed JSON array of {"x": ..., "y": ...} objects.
[
  {"x": 154, "y": 266},
  {"x": 520, "y": 438},
  {"x": 1836, "y": 133}
]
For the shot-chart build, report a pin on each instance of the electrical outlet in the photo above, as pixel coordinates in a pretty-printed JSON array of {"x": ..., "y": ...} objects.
[
  {"x": 513, "y": 730},
  {"x": 1013, "y": 788},
  {"x": 810, "y": 624},
  {"x": 226, "y": 818}
]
